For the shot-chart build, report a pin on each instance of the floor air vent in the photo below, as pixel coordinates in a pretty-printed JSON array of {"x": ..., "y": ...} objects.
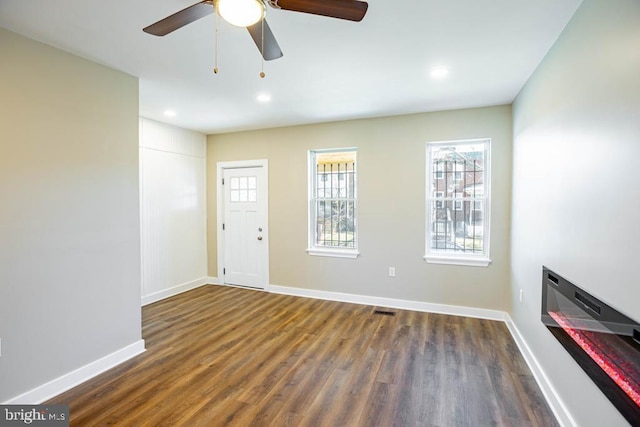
[{"x": 384, "y": 312}]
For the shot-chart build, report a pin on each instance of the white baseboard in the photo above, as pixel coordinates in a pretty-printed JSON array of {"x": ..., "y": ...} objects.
[
  {"x": 479, "y": 313},
  {"x": 214, "y": 282},
  {"x": 157, "y": 296},
  {"x": 61, "y": 384},
  {"x": 551, "y": 395}
]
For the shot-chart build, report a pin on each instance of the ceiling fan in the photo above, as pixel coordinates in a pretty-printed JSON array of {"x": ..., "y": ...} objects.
[{"x": 250, "y": 14}]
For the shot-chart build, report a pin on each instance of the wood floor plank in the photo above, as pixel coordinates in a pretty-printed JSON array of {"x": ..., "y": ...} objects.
[
  {"x": 222, "y": 356},
  {"x": 395, "y": 359},
  {"x": 380, "y": 409},
  {"x": 350, "y": 402},
  {"x": 322, "y": 411}
]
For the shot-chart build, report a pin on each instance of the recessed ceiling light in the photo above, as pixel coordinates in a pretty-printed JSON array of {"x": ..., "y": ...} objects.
[
  {"x": 264, "y": 97},
  {"x": 439, "y": 72},
  {"x": 170, "y": 113}
]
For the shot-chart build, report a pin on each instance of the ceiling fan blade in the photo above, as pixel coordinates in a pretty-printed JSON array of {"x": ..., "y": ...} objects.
[
  {"x": 180, "y": 19},
  {"x": 271, "y": 48},
  {"x": 351, "y": 10}
]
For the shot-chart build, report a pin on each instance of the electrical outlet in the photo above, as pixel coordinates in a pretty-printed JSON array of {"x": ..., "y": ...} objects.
[
  {"x": 392, "y": 272},
  {"x": 521, "y": 294}
]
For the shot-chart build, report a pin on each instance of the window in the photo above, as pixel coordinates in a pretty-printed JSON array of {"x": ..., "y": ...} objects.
[
  {"x": 438, "y": 196},
  {"x": 243, "y": 189},
  {"x": 458, "y": 202},
  {"x": 333, "y": 203},
  {"x": 458, "y": 171},
  {"x": 439, "y": 171}
]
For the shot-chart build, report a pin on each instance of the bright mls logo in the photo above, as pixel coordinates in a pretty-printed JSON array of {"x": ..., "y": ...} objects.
[{"x": 36, "y": 415}]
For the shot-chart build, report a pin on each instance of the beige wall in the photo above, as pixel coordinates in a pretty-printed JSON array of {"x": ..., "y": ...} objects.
[
  {"x": 69, "y": 216},
  {"x": 391, "y": 166},
  {"x": 576, "y": 198}
]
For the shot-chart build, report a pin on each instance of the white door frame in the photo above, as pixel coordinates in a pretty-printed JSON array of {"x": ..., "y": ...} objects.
[{"x": 220, "y": 167}]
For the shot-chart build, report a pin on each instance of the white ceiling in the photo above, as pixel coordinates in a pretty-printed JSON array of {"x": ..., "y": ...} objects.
[{"x": 331, "y": 69}]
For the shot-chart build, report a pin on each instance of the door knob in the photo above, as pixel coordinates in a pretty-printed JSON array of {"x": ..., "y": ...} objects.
[{"x": 259, "y": 237}]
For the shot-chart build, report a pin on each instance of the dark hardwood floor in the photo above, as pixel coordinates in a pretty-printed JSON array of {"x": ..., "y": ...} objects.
[{"x": 228, "y": 356}]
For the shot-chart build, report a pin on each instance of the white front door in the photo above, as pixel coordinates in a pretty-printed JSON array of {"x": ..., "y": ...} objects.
[{"x": 244, "y": 227}]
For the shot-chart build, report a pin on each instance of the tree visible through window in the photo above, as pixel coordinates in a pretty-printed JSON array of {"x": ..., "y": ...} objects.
[
  {"x": 458, "y": 201},
  {"x": 333, "y": 202}
]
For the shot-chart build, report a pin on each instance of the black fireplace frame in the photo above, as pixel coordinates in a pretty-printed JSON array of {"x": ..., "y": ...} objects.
[{"x": 624, "y": 328}]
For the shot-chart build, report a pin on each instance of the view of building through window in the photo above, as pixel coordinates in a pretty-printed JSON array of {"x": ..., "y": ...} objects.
[
  {"x": 458, "y": 197},
  {"x": 333, "y": 201}
]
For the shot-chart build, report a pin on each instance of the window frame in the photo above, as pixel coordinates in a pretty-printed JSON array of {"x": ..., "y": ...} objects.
[
  {"x": 312, "y": 248},
  {"x": 435, "y": 256}
]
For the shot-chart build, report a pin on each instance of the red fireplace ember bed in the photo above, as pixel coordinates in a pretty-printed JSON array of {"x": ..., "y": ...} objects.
[{"x": 613, "y": 355}]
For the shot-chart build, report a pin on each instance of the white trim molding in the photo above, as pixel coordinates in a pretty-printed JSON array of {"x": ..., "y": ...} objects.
[
  {"x": 157, "y": 296},
  {"x": 334, "y": 252},
  {"x": 479, "y": 313},
  {"x": 65, "y": 382},
  {"x": 457, "y": 260},
  {"x": 552, "y": 397}
]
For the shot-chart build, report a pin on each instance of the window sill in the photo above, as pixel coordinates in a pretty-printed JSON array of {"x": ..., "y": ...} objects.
[
  {"x": 336, "y": 253},
  {"x": 457, "y": 260}
]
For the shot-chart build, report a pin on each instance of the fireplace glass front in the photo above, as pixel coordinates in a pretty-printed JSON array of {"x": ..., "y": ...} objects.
[{"x": 604, "y": 342}]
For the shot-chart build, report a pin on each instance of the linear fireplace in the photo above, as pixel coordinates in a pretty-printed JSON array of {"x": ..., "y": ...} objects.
[{"x": 604, "y": 342}]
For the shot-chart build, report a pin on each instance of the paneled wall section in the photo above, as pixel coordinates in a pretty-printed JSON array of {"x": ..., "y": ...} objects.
[{"x": 173, "y": 209}]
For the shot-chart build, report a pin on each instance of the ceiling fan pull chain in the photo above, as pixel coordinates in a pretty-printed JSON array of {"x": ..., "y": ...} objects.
[
  {"x": 215, "y": 61},
  {"x": 262, "y": 50}
]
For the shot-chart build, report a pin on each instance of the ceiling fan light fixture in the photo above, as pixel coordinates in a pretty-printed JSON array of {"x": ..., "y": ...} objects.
[{"x": 241, "y": 13}]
